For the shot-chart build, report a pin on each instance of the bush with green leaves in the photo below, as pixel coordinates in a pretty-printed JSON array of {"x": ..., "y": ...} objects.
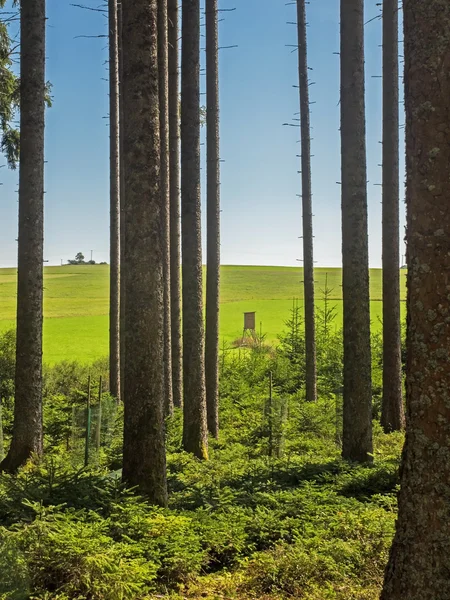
[
  {"x": 166, "y": 539},
  {"x": 7, "y": 371},
  {"x": 71, "y": 553},
  {"x": 338, "y": 550}
]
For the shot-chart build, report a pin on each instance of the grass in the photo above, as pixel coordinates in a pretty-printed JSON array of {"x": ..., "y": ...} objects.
[{"x": 76, "y": 304}]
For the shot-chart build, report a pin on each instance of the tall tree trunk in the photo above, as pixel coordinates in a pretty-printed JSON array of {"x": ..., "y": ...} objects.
[
  {"x": 114, "y": 179},
  {"x": 122, "y": 208},
  {"x": 308, "y": 245},
  {"x": 175, "y": 223},
  {"x": 357, "y": 429},
  {"x": 27, "y": 431},
  {"x": 165, "y": 191},
  {"x": 418, "y": 567},
  {"x": 213, "y": 217},
  {"x": 392, "y": 415},
  {"x": 144, "y": 461},
  {"x": 194, "y": 407}
]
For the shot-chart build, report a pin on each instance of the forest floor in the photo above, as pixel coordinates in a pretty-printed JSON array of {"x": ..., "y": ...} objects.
[
  {"x": 76, "y": 304},
  {"x": 274, "y": 514},
  {"x": 242, "y": 526}
]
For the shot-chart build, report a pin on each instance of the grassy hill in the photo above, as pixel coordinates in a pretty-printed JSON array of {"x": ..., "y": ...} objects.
[{"x": 76, "y": 304}]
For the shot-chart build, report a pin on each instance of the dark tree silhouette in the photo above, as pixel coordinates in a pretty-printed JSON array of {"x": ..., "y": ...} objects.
[
  {"x": 144, "y": 463},
  {"x": 194, "y": 407},
  {"x": 357, "y": 431},
  {"x": 27, "y": 431},
  {"x": 418, "y": 567}
]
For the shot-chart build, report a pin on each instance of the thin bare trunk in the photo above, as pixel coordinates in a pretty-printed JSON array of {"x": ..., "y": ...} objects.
[
  {"x": 308, "y": 244},
  {"x": 27, "y": 431},
  {"x": 175, "y": 223},
  {"x": 163, "y": 65},
  {"x": 195, "y": 438},
  {"x": 357, "y": 429},
  {"x": 144, "y": 461},
  {"x": 122, "y": 207},
  {"x": 114, "y": 178},
  {"x": 392, "y": 415},
  {"x": 418, "y": 567},
  {"x": 213, "y": 217}
]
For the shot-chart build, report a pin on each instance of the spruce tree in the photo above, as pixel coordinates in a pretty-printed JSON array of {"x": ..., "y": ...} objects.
[
  {"x": 27, "y": 431},
  {"x": 194, "y": 406},
  {"x": 175, "y": 223},
  {"x": 357, "y": 424},
  {"x": 163, "y": 64},
  {"x": 308, "y": 245},
  {"x": 212, "y": 217},
  {"x": 114, "y": 179},
  {"x": 392, "y": 415},
  {"x": 144, "y": 461},
  {"x": 419, "y": 558}
]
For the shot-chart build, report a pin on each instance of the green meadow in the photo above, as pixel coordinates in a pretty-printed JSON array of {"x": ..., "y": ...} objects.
[{"x": 76, "y": 304}]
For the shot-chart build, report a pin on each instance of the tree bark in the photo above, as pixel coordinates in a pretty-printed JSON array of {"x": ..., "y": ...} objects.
[
  {"x": 308, "y": 245},
  {"x": 213, "y": 217},
  {"x": 175, "y": 221},
  {"x": 122, "y": 208},
  {"x": 144, "y": 462},
  {"x": 357, "y": 427},
  {"x": 27, "y": 430},
  {"x": 418, "y": 567},
  {"x": 114, "y": 179},
  {"x": 392, "y": 415},
  {"x": 194, "y": 407},
  {"x": 163, "y": 65}
]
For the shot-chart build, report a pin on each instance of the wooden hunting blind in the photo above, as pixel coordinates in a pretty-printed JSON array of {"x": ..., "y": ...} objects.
[{"x": 249, "y": 321}]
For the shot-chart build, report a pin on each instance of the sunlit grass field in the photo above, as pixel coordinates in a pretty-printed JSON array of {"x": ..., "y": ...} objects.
[{"x": 76, "y": 304}]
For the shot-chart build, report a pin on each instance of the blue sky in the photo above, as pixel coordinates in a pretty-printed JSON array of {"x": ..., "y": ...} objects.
[{"x": 261, "y": 214}]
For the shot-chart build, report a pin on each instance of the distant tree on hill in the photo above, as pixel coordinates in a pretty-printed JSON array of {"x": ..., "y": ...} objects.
[
  {"x": 357, "y": 427},
  {"x": 78, "y": 260},
  {"x": 27, "y": 431}
]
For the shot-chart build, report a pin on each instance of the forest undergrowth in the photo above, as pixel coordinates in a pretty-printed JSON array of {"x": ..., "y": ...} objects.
[{"x": 275, "y": 513}]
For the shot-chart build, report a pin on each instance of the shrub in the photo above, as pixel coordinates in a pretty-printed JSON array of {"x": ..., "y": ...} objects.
[
  {"x": 225, "y": 536},
  {"x": 296, "y": 522},
  {"x": 169, "y": 541},
  {"x": 71, "y": 553}
]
